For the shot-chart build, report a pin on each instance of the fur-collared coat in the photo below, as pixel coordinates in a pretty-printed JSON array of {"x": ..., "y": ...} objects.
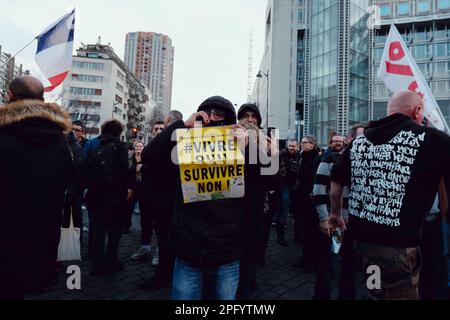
[{"x": 35, "y": 167}]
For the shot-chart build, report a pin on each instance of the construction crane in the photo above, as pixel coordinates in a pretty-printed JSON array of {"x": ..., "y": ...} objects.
[{"x": 250, "y": 66}]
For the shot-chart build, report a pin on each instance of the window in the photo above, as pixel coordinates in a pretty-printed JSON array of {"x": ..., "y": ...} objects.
[
  {"x": 385, "y": 10},
  {"x": 421, "y": 52},
  {"x": 300, "y": 16},
  {"x": 440, "y": 69},
  {"x": 422, "y": 34},
  {"x": 87, "y": 65},
  {"x": 423, "y": 6},
  {"x": 378, "y": 54},
  {"x": 439, "y": 32},
  {"x": 90, "y": 117},
  {"x": 380, "y": 37},
  {"x": 118, "y": 99},
  {"x": 119, "y": 87},
  {"x": 84, "y": 104},
  {"x": 120, "y": 75},
  {"x": 403, "y": 8},
  {"x": 443, "y": 4},
  {"x": 86, "y": 91},
  {"x": 117, "y": 111},
  {"x": 406, "y": 34},
  {"x": 440, "y": 50},
  {"x": 86, "y": 78},
  {"x": 425, "y": 69},
  {"x": 439, "y": 88}
]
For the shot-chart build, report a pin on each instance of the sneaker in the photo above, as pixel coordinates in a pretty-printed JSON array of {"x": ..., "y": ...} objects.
[
  {"x": 155, "y": 260},
  {"x": 142, "y": 252}
]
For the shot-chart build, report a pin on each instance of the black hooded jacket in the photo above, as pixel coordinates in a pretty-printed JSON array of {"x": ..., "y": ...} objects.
[
  {"x": 251, "y": 107},
  {"x": 393, "y": 170},
  {"x": 35, "y": 167},
  {"x": 223, "y": 104},
  {"x": 74, "y": 193},
  {"x": 202, "y": 233},
  {"x": 309, "y": 161}
]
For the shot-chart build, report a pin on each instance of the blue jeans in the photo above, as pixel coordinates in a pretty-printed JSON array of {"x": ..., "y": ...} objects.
[
  {"x": 283, "y": 210},
  {"x": 204, "y": 283},
  {"x": 446, "y": 232}
]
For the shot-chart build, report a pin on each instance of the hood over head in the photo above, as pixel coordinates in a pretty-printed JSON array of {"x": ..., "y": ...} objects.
[
  {"x": 251, "y": 107},
  {"x": 223, "y": 104}
]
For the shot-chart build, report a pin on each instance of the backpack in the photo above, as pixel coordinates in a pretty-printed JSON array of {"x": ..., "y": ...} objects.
[{"x": 102, "y": 163}]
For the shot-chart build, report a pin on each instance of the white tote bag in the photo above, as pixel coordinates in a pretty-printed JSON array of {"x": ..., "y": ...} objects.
[{"x": 69, "y": 248}]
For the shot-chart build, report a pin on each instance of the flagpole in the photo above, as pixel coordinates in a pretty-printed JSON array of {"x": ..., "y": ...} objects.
[{"x": 12, "y": 57}]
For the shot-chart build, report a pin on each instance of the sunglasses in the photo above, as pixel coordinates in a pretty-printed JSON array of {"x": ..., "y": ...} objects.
[
  {"x": 78, "y": 130},
  {"x": 216, "y": 112}
]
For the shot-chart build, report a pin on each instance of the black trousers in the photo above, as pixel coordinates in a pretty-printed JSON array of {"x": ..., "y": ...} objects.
[
  {"x": 163, "y": 220},
  {"x": 148, "y": 211},
  {"x": 327, "y": 262},
  {"x": 433, "y": 275},
  {"x": 311, "y": 232},
  {"x": 273, "y": 202},
  {"x": 104, "y": 227},
  {"x": 247, "y": 276}
]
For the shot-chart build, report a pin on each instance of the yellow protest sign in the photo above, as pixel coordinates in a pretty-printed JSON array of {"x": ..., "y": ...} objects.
[{"x": 211, "y": 165}]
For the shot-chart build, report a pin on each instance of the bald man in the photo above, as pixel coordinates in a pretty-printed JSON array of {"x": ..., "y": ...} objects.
[
  {"x": 172, "y": 116},
  {"x": 26, "y": 87},
  {"x": 393, "y": 170},
  {"x": 35, "y": 169}
]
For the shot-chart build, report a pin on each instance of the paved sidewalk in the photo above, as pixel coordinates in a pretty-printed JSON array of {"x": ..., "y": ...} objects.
[{"x": 277, "y": 280}]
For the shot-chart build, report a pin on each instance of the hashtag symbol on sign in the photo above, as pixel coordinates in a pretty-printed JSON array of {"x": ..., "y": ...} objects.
[{"x": 188, "y": 147}]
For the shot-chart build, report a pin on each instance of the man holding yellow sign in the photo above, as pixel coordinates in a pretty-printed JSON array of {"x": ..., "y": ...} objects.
[{"x": 207, "y": 156}]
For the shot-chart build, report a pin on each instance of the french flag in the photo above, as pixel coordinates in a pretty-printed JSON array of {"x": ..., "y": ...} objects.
[{"x": 54, "y": 50}]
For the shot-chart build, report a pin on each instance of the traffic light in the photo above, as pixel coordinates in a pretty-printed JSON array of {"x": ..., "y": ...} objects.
[{"x": 135, "y": 132}]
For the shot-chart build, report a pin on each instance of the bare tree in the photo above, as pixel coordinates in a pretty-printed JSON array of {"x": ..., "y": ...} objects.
[{"x": 81, "y": 108}]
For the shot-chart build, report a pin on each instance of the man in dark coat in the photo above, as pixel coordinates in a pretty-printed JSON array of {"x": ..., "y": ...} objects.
[
  {"x": 74, "y": 194},
  {"x": 206, "y": 236},
  {"x": 158, "y": 192},
  {"x": 255, "y": 190},
  {"x": 109, "y": 189},
  {"x": 35, "y": 166},
  {"x": 305, "y": 215}
]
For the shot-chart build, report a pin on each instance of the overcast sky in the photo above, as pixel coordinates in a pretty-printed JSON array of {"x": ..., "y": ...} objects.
[{"x": 210, "y": 37}]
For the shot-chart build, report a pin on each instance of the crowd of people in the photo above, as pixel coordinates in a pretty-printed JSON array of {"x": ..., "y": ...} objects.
[{"x": 377, "y": 196}]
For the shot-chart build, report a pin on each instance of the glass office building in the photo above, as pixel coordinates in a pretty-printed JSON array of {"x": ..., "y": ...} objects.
[
  {"x": 338, "y": 74},
  {"x": 316, "y": 67}
]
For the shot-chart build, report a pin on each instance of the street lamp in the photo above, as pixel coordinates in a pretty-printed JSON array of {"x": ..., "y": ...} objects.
[{"x": 259, "y": 76}]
